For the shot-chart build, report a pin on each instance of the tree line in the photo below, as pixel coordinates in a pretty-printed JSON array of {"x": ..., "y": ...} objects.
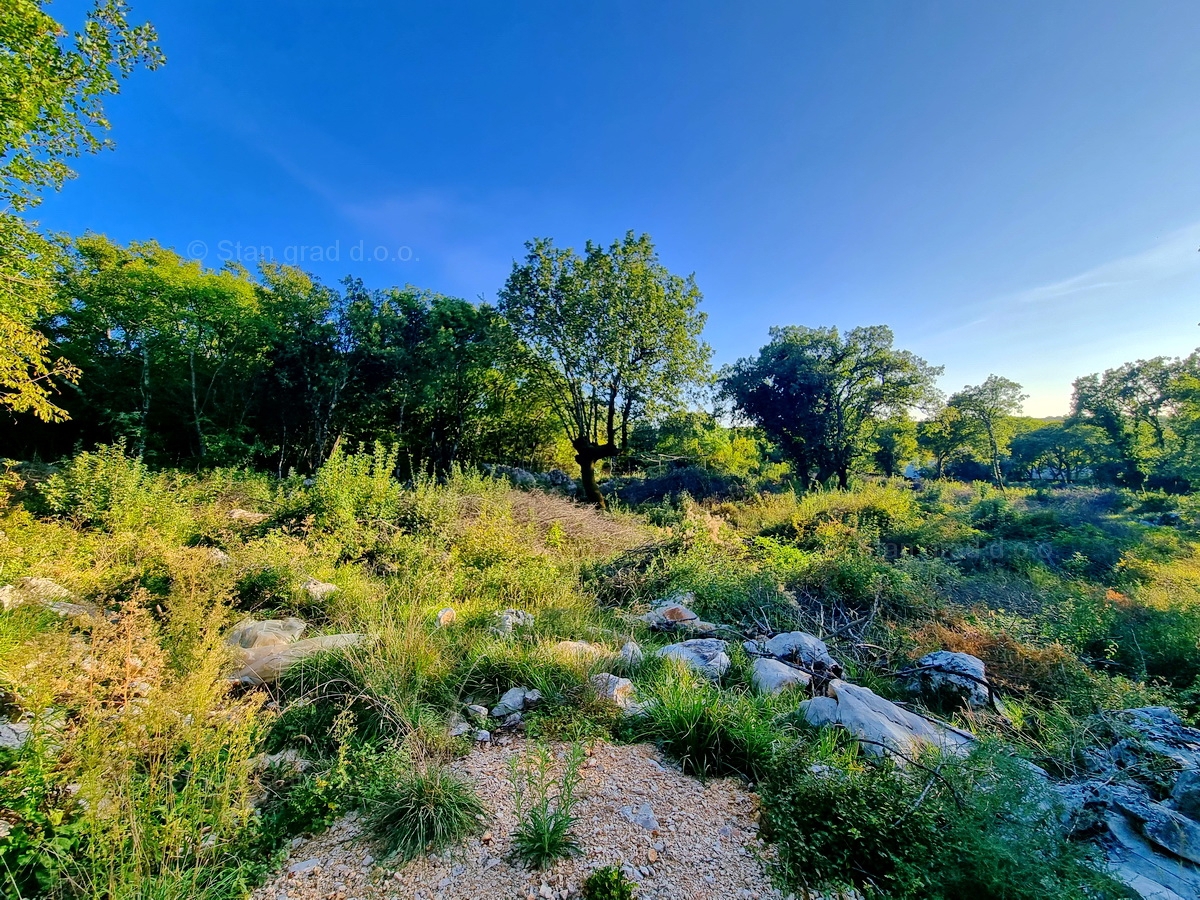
[{"x": 592, "y": 358}]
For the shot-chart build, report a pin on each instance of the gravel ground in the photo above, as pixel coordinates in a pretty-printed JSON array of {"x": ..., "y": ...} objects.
[{"x": 704, "y": 845}]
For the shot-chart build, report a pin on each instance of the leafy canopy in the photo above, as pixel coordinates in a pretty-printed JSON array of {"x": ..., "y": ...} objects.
[
  {"x": 822, "y": 395},
  {"x": 613, "y": 333},
  {"x": 53, "y": 89}
]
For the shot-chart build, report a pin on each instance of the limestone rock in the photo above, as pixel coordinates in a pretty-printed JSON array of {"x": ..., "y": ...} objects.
[
  {"x": 880, "y": 725},
  {"x": 13, "y": 735},
  {"x": 264, "y": 665},
  {"x": 618, "y": 691},
  {"x": 217, "y": 556},
  {"x": 47, "y": 593},
  {"x": 803, "y": 648},
  {"x": 446, "y": 616},
  {"x": 251, "y": 634},
  {"x": 706, "y": 655},
  {"x": 246, "y": 517},
  {"x": 631, "y": 654},
  {"x": 515, "y": 700},
  {"x": 947, "y": 680},
  {"x": 1150, "y": 848},
  {"x": 671, "y": 614},
  {"x": 510, "y": 620},
  {"x": 770, "y": 676},
  {"x": 1185, "y": 795},
  {"x": 318, "y": 590},
  {"x": 643, "y": 816}
]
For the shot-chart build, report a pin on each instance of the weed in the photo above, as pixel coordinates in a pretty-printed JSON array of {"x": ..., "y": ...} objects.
[
  {"x": 607, "y": 883},
  {"x": 545, "y": 810}
]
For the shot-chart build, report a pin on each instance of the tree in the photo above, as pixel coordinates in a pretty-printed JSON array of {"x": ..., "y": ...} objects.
[
  {"x": 822, "y": 396},
  {"x": 172, "y": 350},
  {"x": 947, "y": 435},
  {"x": 1067, "y": 450},
  {"x": 614, "y": 334},
  {"x": 988, "y": 405},
  {"x": 52, "y": 91},
  {"x": 1132, "y": 404},
  {"x": 895, "y": 443}
]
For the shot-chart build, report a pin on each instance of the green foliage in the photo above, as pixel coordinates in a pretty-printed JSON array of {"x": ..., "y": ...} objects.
[
  {"x": 822, "y": 396},
  {"x": 54, "y": 89},
  {"x": 982, "y": 828},
  {"x": 613, "y": 334},
  {"x": 427, "y": 810},
  {"x": 545, "y": 807},
  {"x": 607, "y": 883},
  {"x": 709, "y": 732}
]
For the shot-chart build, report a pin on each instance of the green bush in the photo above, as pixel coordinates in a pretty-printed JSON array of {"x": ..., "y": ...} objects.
[
  {"x": 982, "y": 828},
  {"x": 426, "y": 810},
  {"x": 607, "y": 883}
]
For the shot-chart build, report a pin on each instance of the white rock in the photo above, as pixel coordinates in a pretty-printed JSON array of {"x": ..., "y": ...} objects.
[
  {"x": 446, "y": 616},
  {"x": 770, "y": 676},
  {"x": 511, "y": 619},
  {"x": 643, "y": 816},
  {"x": 307, "y": 867},
  {"x": 631, "y": 653},
  {"x": 801, "y": 647},
  {"x": 947, "y": 679},
  {"x": 263, "y": 665},
  {"x": 881, "y": 725},
  {"x": 706, "y": 655},
  {"x": 318, "y": 590},
  {"x": 248, "y": 517},
  {"x": 13, "y": 735},
  {"x": 616, "y": 690},
  {"x": 251, "y": 634}
]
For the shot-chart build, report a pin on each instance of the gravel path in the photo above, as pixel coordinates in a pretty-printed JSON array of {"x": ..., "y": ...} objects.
[{"x": 677, "y": 837}]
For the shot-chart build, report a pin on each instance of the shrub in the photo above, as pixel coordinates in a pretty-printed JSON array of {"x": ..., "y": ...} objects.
[
  {"x": 427, "y": 810},
  {"x": 981, "y": 828},
  {"x": 607, "y": 883},
  {"x": 545, "y": 812}
]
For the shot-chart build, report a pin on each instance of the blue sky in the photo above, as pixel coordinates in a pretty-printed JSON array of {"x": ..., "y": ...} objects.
[{"x": 1013, "y": 187}]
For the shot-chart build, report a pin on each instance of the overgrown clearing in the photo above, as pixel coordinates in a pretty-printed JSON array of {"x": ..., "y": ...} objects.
[{"x": 142, "y": 773}]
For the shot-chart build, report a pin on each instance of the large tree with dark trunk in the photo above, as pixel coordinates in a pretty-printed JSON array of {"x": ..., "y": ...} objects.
[
  {"x": 614, "y": 334},
  {"x": 822, "y": 396}
]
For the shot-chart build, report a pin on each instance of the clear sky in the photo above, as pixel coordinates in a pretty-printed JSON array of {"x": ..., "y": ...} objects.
[{"x": 1014, "y": 187}]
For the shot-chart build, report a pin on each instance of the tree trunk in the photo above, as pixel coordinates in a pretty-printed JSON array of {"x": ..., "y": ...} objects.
[
  {"x": 587, "y": 475},
  {"x": 145, "y": 426},
  {"x": 587, "y": 455}
]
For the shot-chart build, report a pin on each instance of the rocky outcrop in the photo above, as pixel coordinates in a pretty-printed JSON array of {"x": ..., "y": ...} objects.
[
  {"x": 947, "y": 680},
  {"x": 706, "y": 655},
  {"x": 881, "y": 726},
  {"x": 1152, "y": 847}
]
